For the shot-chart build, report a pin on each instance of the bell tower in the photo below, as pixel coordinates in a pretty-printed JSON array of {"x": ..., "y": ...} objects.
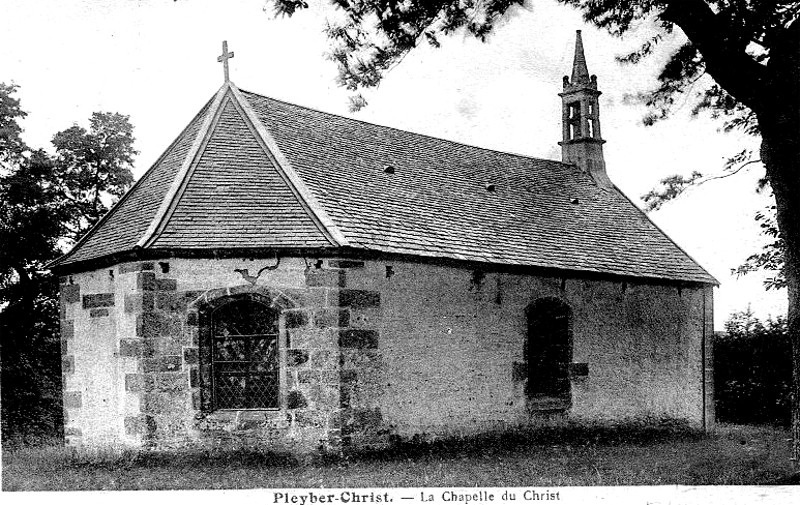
[{"x": 582, "y": 144}]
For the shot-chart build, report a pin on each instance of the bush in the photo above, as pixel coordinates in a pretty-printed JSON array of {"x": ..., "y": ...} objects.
[
  {"x": 30, "y": 368},
  {"x": 753, "y": 371}
]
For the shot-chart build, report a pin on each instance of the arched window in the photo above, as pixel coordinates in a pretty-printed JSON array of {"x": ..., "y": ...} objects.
[
  {"x": 548, "y": 349},
  {"x": 244, "y": 355}
]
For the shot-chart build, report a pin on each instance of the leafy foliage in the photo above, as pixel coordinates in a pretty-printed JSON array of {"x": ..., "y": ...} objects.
[
  {"x": 31, "y": 214},
  {"x": 93, "y": 168},
  {"x": 11, "y": 144},
  {"x": 671, "y": 188},
  {"x": 753, "y": 371},
  {"x": 376, "y": 35},
  {"x": 770, "y": 258},
  {"x": 45, "y": 203},
  {"x": 31, "y": 367}
]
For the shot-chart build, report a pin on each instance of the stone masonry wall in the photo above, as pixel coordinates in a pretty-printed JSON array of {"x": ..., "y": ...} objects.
[
  {"x": 89, "y": 364},
  {"x": 367, "y": 349},
  {"x": 452, "y": 341},
  {"x": 153, "y": 364},
  {"x": 708, "y": 332}
]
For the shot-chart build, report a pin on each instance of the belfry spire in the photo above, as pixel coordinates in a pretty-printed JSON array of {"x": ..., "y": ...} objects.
[
  {"x": 582, "y": 144},
  {"x": 580, "y": 72}
]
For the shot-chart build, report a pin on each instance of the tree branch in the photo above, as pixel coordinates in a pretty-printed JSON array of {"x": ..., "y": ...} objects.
[
  {"x": 674, "y": 186},
  {"x": 726, "y": 59},
  {"x": 727, "y": 174}
]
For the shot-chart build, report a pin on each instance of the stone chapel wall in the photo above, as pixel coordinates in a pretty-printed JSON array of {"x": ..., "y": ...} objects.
[
  {"x": 452, "y": 340},
  {"x": 133, "y": 359},
  {"x": 90, "y": 365},
  {"x": 368, "y": 349}
]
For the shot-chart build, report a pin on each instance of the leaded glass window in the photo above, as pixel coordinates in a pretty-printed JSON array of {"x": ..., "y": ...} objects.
[{"x": 244, "y": 356}]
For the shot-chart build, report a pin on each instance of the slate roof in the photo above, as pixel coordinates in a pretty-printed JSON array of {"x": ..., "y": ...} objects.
[{"x": 251, "y": 172}]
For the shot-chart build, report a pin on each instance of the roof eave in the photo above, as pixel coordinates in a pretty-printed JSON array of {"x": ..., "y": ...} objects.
[
  {"x": 150, "y": 254},
  {"x": 712, "y": 280}
]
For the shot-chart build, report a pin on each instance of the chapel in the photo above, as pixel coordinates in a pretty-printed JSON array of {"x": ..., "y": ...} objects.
[{"x": 296, "y": 280}]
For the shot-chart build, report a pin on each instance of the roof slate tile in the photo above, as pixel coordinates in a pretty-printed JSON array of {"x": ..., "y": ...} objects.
[
  {"x": 542, "y": 213},
  {"x": 122, "y": 227},
  {"x": 235, "y": 197}
]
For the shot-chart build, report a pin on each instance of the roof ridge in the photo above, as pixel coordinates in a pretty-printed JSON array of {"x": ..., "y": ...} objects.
[
  {"x": 148, "y": 173},
  {"x": 440, "y": 139},
  {"x": 162, "y": 214},
  {"x": 317, "y": 210}
]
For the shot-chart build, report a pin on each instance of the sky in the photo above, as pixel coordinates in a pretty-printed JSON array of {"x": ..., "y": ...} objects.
[{"x": 156, "y": 61}]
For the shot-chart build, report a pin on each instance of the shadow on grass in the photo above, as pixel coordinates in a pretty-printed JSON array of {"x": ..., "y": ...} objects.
[
  {"x": 422, "y": 448},
  {"x": 517, "y": 441},
  {"x": 59, "y": 458},
  {"x": 575, "y": 455}
]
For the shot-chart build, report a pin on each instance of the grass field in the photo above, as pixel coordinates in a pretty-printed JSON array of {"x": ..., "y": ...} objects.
[{"x": 574, "y": 457}]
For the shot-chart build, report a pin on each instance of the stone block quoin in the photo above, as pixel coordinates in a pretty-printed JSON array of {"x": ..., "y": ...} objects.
[
  {"x": 73, "y": 399},
  {"x": 359, "y": 298},
  {"x": 170, "y": 378},
  {"x": 160, "y": 382},
  {"x": 71, "y": 293},
  {"x": 146, "y": 281},
  {"x": 72, "y": 432},
  {"x": 171, "y": 382},
  {"x": 98, "y": 300},
  {"x": 326, "y": 278},
  {"x": 68, "y": 365},
  {"x": 157, "y": 324},
  {"x": 130, "y": 348},
  {"x": 67, "y": 329},
  {"x": 358, "y": 339},
  {"x": 161, "y": 364},
  {"x": 138, "y": 302}
]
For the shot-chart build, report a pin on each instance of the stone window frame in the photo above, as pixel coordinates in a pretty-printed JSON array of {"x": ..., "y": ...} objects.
[
  {"x": 562, "y": 401},
  {"x": 206, "y": 306}
]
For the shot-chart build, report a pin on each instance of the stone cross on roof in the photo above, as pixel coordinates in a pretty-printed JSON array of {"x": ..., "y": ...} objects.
[{"x": 224, "y": 57}]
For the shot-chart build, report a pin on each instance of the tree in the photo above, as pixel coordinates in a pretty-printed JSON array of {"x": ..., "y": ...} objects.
[
  {"x": 29, "y": 208},
  {"x": 750, "y": 50},
  {"x": 11, "y": 145},
  {"x": 29, "y": 230},
  {"x": 93, "y": 168},
  {"x": 45, "y": 202},
  {"x": 31, "y": 214}
]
